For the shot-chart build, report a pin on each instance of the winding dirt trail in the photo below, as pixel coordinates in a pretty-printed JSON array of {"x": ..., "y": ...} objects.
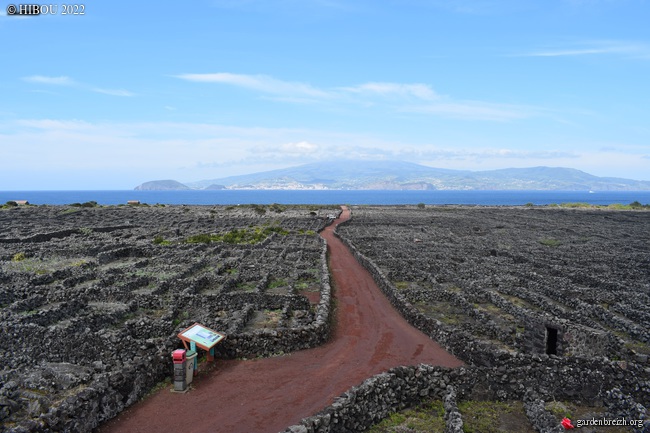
[{"x": 268, "y": 395}]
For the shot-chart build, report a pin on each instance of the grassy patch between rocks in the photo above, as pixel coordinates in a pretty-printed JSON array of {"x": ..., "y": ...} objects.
[
  {"x": 428, "y": 417},
  {"x": 494, "y": 417},
  {"x": 252, "y": 235}
]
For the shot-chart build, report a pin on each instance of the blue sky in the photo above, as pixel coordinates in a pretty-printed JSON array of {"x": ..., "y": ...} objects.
[{"x": 133, "y": 91}]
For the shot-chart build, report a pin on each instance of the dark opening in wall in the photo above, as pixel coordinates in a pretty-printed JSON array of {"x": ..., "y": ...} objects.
[{"x": 551, "y": 341}]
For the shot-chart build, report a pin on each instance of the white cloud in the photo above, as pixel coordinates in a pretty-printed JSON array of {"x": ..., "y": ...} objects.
[
  {"x": 113, "y": 92},
  {"x": 300, "y": 148},
  {"x": 194, "y": 151},
  {"x": 55, "y": 125},
  {"x": 417, "y": 90},
  {"x": 67, "y": 81},
  {"x": 630, "y": 49},
  {"x": 474, "y": 110},
  {"x": 58, "y": 81},
  {"x": 262, "y": 83},
  {"x": 388, "y": 95}
]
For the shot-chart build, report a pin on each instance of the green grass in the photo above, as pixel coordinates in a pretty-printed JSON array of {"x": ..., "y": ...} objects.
[
  {"x": 401, "y": 285},
  {"x": 21, "y": 263},
  {"x": 10, "y": 204},
  {"x": 277, "y": 283},
  {"x": 252, "y": 235},
  {"x": 18, "y": 257},
  {"x": 159, "y": 240},
  {"x": 246, "y": 286},
  {"x": 576, "y": 205},
  {"x": 494, "y": 417},
  {"x": 428, "y": 417},
  {"x": 550, "y": 242},
  {"x": 443, "y": 311}
]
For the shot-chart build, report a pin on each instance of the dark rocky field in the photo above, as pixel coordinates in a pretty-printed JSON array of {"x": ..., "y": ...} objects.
[
  {"x": 504, "y": 275},
  {"x": 548, "y": 307},
  {"x": 92, "y": 298},
  {"x": 529, "y": 296}
]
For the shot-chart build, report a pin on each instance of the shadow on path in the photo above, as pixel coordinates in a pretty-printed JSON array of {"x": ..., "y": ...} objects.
[{"x": 268, "y": 395}]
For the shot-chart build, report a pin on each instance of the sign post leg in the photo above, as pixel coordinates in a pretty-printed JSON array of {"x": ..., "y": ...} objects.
[{"x": 196, "y": 358}]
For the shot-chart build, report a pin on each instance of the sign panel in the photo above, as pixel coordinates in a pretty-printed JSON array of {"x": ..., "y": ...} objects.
[{"x": 205, "y": 338}]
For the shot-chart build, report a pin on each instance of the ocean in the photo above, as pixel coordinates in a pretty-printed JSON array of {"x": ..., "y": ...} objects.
[{"x": 352, "y": 197}]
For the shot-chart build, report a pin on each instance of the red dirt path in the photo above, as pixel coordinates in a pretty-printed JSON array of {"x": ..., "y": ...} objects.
[{"x": 268, "y": 395}]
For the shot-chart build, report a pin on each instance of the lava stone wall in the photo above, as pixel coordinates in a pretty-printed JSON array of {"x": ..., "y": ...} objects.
[
  {"x": 128, "y": 366},
  {"x": 458, "y": 343},
  {"x": 494, "y": 375},
  {"x": 265, "y": 342},
  {"x": 547, "y": 379},
  {"x": 582, "y": 341}
]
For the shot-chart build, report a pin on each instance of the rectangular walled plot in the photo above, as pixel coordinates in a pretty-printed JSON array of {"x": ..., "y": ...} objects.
[
  {"x": 308, "y": 285},
  {"x": 264, "y": 319},
  {"x": 503, "y": 320},
  {"x": 245, "y": 286},
  {"x": 494, "y": 416},
  {"x": 429, "y": 416},
  {"x": 445, "y": 312},
  {"x": 278, "y": 286}
]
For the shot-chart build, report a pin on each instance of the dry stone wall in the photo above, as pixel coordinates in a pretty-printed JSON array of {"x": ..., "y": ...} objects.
[
  {"x": 92, "y": 300},
  {"x": 517, "y": 370}
]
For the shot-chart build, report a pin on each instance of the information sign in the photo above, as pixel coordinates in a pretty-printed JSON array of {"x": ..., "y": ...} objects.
[{"x": 205, "y": 338}]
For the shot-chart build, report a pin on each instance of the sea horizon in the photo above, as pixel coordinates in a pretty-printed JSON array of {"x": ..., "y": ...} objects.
[{"x": 323, "y": 197}]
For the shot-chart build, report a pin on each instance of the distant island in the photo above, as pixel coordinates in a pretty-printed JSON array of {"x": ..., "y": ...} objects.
[
  {"x": 162, "y": 185},
  {"x": 400, "y": 175}
]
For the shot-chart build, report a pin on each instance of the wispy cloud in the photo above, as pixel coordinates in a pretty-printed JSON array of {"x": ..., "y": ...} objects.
[
  {"x": 262, "y": 83},
  {"x": 401, "y": 97},
  {"x": 628, "y": 49},
  {"x": 69, "y": 82},
  {"x": 417, "y": 90},
  {"x": 113, "y": 92},
  {"x": 57, "y": 81},
  {"x": 475, "y": 110}
]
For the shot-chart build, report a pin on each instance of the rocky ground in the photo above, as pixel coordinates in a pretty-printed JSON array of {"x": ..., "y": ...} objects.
[
  {"x": 565, "y": 288},
  {"x": 549, "y": 307},
  {"x": 492, "y": 272},
  {"x": 92, "y": 297}
]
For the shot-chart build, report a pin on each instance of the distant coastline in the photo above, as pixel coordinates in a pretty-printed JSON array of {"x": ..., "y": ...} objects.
[
  {"x": 363, "y": 197},
  {"x": 406, "y": 176}
]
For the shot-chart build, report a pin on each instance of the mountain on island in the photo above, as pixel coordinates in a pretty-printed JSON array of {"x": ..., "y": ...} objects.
[
  {"x": 399, "y": 175},
  {"x": 162, "y": 185}
]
